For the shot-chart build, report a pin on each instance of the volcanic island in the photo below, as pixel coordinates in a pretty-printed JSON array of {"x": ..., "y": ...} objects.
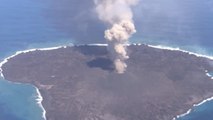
[{"x": 80, "y": 83}]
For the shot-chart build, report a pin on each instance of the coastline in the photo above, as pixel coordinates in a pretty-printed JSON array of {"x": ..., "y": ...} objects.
[
  {"x": 39, "y": 98},
  {"x": 182, "y": 115},
  {"x": 206, "y": 71},
  {"x": 5, "y": 60},
  {"x": 181, "y": 50},
  {"x": 208, "y": 74},
  {"x": 195, "y": 105},
  {"x": 39, "y": 102}
]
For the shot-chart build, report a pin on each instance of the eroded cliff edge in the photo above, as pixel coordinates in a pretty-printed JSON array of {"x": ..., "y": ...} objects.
[{"x": 79, "y": 82}]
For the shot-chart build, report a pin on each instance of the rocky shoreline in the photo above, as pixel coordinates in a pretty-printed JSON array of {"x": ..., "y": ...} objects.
[{"x": 79, "y": 82}]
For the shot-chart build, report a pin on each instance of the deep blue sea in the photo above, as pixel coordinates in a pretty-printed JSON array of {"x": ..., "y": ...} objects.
[{"x": 25, "y": 24}]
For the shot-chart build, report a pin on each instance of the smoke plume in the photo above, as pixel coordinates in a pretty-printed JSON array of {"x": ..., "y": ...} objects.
[{"x": 118, "y": 15}]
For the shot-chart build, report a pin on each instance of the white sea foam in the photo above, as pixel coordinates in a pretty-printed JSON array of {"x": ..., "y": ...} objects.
[
  {"x": 184, "y": 114},
  {"x": 204, "y": 101},
  {"x": 208, "y": 74},
  {"x": 97, "y": 44},
  {"x": 178, "y": 49},
  {"x": 39, "y": 100},
  {"x": 195, "y": 105}
]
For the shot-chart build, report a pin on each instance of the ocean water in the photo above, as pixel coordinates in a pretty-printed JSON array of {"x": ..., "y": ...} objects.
[
  {"x": 25, "y": 24},
  {"x": 22, "y": 27},
  {"x": 18, "y": 102},
  {"x": 211, "y": 73},
  {"x": 203, "y": 112}
]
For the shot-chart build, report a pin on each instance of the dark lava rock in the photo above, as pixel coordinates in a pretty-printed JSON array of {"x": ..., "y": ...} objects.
[{"x": 79, "y": 83}]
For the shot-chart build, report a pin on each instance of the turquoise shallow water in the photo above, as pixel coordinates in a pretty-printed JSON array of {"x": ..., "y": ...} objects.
[
  {"x": 25, "y": 24},
  {"x": 211, "y": 73},
  {"x": 18, "y": 102}
]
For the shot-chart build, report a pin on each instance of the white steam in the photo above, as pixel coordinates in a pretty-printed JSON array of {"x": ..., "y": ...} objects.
[{"x": 118, "y": 14}]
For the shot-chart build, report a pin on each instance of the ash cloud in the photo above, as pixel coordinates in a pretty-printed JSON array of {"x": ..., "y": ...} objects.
[
  {"x": 160, "y": 22},
  {"x": 117, "y": 14}
]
